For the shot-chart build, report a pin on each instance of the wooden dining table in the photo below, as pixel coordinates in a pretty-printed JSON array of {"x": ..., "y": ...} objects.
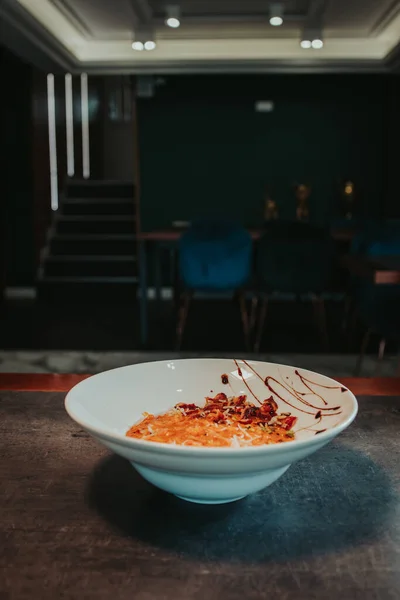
[{"x": 79, "y": 522}]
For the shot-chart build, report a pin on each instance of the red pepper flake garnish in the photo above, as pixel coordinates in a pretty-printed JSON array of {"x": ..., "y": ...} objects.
[
  {"x": 220, "y": 397},
  {"x": 224, "y": 378},
  {"x": 289, "y": 422},
  {"x": 186, "y": 407},
  {"x": 271, "y": 403}
]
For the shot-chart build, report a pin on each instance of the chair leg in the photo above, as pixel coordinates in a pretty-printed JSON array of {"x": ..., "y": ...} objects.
[
  {"x": 253, "y": 312},
  {"x": 352, "y": 326},
  {"x": 381, "y": 354},
  {"x": 245, "y": 319},
  {"x": 363, "y": 349},
  {"x": 320, "y": 318},
  {"x": 261, "y": 323},
  {"x": 348, "y": 309},
  {"x": 176, "y": 283},
  {"x": 185, "y": 299}
]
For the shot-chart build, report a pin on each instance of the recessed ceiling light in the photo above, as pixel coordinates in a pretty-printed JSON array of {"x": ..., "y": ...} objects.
[
  {"x": 317, "y": 44},
  {"x": 312, "y": 37},
  {"x": 173, "y": 22},
  {"x": 173, "y": 16},
  {"x": 149, "y": 45},
  {"x": 139, "y": 46},
  {"x": 276, "y": 21},
  {"x": 144, "y": 38},
  {"x": 276, "y": 14}
]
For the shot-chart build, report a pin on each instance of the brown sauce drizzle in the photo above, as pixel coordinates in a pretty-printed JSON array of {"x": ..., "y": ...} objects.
[
  {"x": 326, "y": 387},
  {"x": 305, "y": 382},
  {"x": 271, "y": 383},
  {"x": 239, "y": 370},
  {"x": 298, "y": 396},
  {"x": 295, "y": 394},
  {"x": 292, "y": 391}
]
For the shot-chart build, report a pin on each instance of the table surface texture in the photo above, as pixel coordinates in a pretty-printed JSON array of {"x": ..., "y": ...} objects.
[{"x": 77, "y": 522}]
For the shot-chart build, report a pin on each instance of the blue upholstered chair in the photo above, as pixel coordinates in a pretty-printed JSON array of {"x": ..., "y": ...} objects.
[
  {"x": 215, "y": 255},
  {"x": 294, "y": 258},
  {"x": 375, "y": 238},
  {"x": 379, "y": 305}
]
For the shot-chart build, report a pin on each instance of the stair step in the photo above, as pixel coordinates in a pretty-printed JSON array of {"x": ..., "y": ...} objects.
[
  {"x": 98, "y": 206},
  {"x": 100, "y": 218},
  {"x": 95, "y": 224},
  {"x": 97, "y": 200},
  {"x": 89, "y": 279},
  {"x": 95, "y": 258},
  {"x": 97, "y": 266},
  {"x": 99, "y": 189},
  {"x": 83, "y": 289},
  {"x": 89, "y": 244}
]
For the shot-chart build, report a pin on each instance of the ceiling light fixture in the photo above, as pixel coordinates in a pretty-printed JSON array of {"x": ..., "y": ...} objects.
[
  {"x": 144, "y": 39},
  {"x": 312, "y": 38},
  {"x": 317, "y": 44},
  {"x": 276, "y": 14},
  {"x": 173, "y": 16},
  {"x": 149, "y": 45},
  {"x": 138, "y": 46}
]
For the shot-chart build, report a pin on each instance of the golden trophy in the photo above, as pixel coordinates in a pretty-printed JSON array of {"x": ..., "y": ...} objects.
[
  {"x": 270, "y": 208},
  {"x": 302, "y": 192}
]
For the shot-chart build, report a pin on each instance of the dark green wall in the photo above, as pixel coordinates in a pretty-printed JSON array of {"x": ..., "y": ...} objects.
[
  {"x": 204, "y": 149},
  {"x": 16, "y": 182}
]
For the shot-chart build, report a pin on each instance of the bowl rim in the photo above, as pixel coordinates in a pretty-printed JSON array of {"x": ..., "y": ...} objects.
[{"x": 174, "y": 449}]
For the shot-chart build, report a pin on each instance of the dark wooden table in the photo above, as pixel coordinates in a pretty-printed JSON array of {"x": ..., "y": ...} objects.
[
  {"x": 78, "y": 522},
  {"x": 169, "y": 238},
  {"x": 379, "y": 270}
]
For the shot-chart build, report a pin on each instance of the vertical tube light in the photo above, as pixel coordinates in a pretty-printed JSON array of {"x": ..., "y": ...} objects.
[
  {"x": 51, "y": 112},
  {"x": 69, "y": 118},
  {"x": 85, "y": 126}
]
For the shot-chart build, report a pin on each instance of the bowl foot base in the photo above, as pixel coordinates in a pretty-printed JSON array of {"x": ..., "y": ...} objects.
[
  {"x": 197, "y": 501},
  {"x": 210, "y": 489}
]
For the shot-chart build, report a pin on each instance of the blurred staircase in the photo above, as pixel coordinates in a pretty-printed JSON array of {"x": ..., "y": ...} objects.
[{"x": 91, "y": 250}]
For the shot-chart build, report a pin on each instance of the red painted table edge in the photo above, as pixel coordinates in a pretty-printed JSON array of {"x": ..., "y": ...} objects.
[{"x": 41, "y": 382}]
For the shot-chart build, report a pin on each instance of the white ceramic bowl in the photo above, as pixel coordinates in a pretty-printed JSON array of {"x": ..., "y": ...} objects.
[{"x": 107, "y": 404}]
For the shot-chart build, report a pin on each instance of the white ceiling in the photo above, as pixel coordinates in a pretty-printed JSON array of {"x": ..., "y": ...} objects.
[{"x": 224, "y": 35}]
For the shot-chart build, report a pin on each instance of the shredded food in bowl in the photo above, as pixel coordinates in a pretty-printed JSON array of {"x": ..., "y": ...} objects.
[{"x": 222, "y": 421}]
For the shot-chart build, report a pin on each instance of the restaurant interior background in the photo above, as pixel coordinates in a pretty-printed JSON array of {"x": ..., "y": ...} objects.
[{"x": 109, "y": 157}]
